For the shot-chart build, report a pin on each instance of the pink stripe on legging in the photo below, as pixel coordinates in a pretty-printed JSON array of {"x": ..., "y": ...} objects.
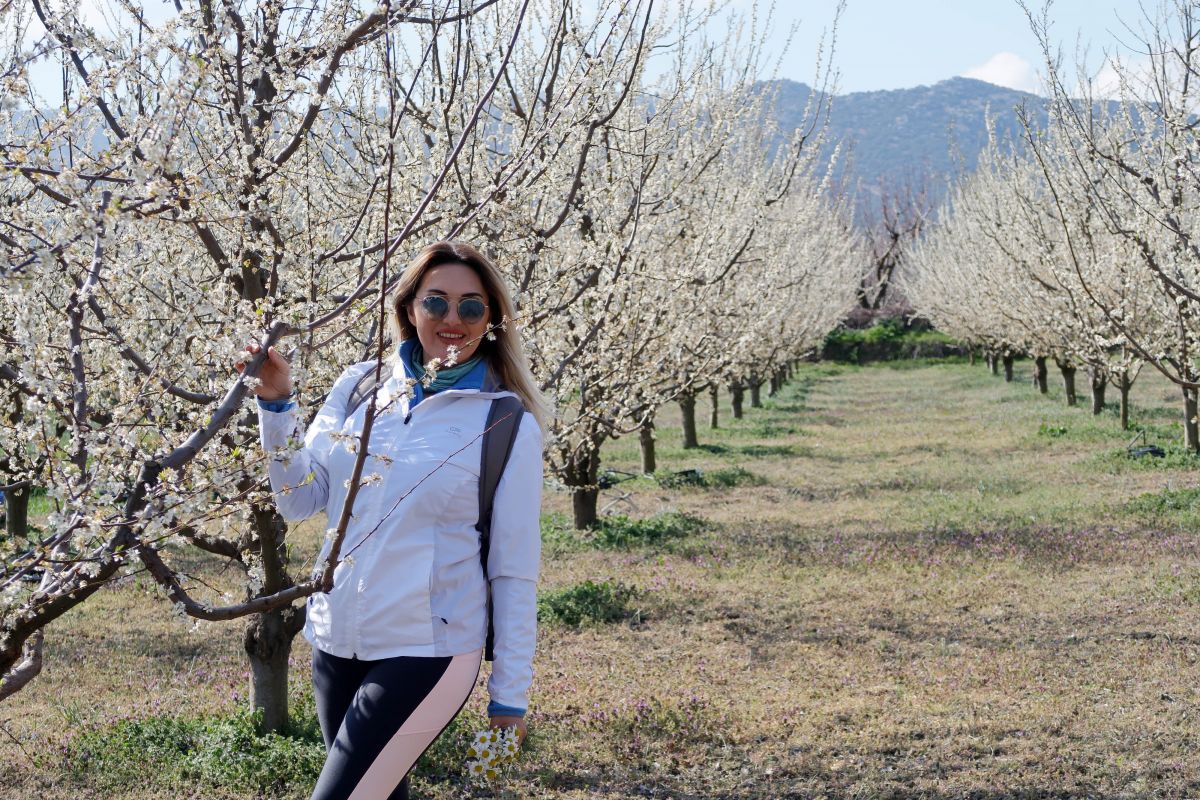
[{"x": 420, "y": 729}]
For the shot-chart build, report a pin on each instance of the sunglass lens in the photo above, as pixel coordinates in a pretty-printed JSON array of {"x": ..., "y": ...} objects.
[
  {"x": 471, "y": 311},
  {"x": 435, "y": 306}
]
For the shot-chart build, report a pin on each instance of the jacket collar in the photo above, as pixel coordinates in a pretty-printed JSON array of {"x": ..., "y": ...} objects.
[{"x": 481, "y": 377}]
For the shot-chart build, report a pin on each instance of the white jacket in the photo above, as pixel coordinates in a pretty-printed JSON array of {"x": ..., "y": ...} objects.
[{"x": 410, "y": 582}]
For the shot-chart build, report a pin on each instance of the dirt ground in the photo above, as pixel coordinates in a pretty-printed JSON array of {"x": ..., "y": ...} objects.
[{"x": 927, "y": 583}]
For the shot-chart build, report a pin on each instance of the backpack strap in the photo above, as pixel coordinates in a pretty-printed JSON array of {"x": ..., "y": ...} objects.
[
  {"x": 366, "y": 386},
  {"x": 500, "y": 432}
]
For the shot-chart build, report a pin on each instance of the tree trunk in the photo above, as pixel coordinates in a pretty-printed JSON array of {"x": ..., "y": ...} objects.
[
  {"x": 646, "y": 437},
  {"x": 714, "y": 395},
  {"x": 687, "y": 404},
  {"x": 1099, "y": 385},
  {"x": 268, "y": 642},
  {"x": 584, "y": 503},
  {"x": 268, "y": 637},
  {"x": 993, "y": 363},
  {"x": 1068, "y": 376},
  {"x": 16, "y": 512},
  {"x": 1124, "y": 385},
  {"x": 1191, "y": 431},
  {"x": 585, "y": 493},
  {"x": 1039, "y": 374},
  {"x": 1008, "y": 368},
  {"x": 737, "y": 393},
  {"x": 755, "y": 392}
]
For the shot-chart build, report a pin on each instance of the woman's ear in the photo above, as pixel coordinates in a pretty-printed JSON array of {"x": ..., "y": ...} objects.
[{"x": 408, "y": 309}]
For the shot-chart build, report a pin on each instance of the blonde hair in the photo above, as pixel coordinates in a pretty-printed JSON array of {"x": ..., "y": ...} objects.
[{"x": 505, "y": 355}]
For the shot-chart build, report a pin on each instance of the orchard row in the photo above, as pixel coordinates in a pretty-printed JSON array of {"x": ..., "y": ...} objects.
[
  {"x": 1078, "y": 244},
  {"x": 262, "y": 171}
]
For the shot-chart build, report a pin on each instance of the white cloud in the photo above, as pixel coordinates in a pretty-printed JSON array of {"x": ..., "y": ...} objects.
[
  {"x": 1119, "y": 75},
  {"x": 1006, "y": 69}
]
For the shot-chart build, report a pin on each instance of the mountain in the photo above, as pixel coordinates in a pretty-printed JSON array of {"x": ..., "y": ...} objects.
[{"x": 911, "y": 136}]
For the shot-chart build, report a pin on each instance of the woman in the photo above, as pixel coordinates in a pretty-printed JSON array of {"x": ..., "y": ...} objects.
[{"x": 397, "y": 643}]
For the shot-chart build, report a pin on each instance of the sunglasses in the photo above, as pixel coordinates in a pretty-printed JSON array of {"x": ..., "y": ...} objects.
[{"x": 470, "y": 309}]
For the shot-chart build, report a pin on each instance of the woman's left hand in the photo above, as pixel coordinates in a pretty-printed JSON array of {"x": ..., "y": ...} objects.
[{"x": 511, "y": 722}]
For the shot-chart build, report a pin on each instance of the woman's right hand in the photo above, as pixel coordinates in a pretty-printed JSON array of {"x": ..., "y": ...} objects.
[{"x": 275, "y": 375}]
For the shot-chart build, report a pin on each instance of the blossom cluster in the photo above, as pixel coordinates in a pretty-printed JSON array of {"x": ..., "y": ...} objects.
[
  {"x": 1077, "y": 243},
  {"x": 206, "y": 181},
  {"x": 490, "y": 751}
]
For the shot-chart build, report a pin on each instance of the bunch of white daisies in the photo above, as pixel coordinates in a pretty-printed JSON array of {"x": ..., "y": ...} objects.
[{"x": 489, "y": 751}]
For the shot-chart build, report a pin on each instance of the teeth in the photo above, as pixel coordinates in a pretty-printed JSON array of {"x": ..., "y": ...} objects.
[{"x": 451, "y": 335}]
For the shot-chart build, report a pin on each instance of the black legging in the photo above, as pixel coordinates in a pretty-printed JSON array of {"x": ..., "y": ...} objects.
[{"x": 394, "y": 708}]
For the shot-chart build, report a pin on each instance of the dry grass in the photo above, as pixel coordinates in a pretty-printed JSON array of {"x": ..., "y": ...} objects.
[{"x": 928, "y": 597}]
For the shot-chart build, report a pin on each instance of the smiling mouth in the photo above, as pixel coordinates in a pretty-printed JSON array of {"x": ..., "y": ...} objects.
[{"x": 454, "y": 336}]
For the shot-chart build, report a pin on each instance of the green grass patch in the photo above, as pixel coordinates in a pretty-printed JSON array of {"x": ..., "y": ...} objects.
[
  {"x": 724, "y": 478},
  {"x": 922, "y": 362},
  {"x": 587, "y": 603},
  {"x": 219, "y": 752},
  {"x": 730, "y": 477},
  {"x": 1175, "y": 457},
  {"x": 770, "y": 429},
  {"x": 1171, "y": 503},
  {"x": 620, "y": 532},
  {"x": 558, "y": 534},
  {"x": 1185, "y": 588},
  {"x": 1090, "y": 429},
  {"x": 616, "y": 532},
  {"x": 40, "y": 504},
  {"x": 1053, "y": 431},
  {"x": 227, "y": 753}
]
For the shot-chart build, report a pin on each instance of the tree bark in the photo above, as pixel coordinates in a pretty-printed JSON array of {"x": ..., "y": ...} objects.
[
  {"x": 687, "y": 404},
  {"x": 755, "y": 391},
  {"x": 268, "y": 637},
  {"x": 646, "y": 437},
  {"x": 268, "y": 642},
  {"x": 1008, "y": 367},
  {"x": 737, "y": 392},
  {"x": 1124, "y": 385},
  {"x": 585, "y": 493},
  {"x": 16, "y": 512},
  {"x": 1068, "y": 376},
  {"x": 971, "y": 356},
  {"x": 714, "y": 395},
  {"x": 1099, "y": 385},
  {"x": 1039, "y": 374},
  {"x": 993, "y": 363},
  {"x": 1191, "y": 431}
]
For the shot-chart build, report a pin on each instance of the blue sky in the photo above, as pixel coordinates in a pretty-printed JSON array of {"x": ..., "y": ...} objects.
[{"x": 893, "y": 44}]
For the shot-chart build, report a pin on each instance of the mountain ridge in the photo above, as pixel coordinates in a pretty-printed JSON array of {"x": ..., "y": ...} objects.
[{"x": 918, "y": 137}]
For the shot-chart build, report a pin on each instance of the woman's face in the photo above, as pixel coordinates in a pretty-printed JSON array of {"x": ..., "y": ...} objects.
[{"x": 455, "y": 282}]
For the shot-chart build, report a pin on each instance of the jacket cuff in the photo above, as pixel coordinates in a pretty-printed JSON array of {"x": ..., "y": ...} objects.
[
  {"x": 277, "y": 406},
  {"x": 495, "y": 709}
]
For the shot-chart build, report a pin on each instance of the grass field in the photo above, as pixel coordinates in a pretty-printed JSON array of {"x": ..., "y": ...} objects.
[{"x": 917, "y": 582}]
